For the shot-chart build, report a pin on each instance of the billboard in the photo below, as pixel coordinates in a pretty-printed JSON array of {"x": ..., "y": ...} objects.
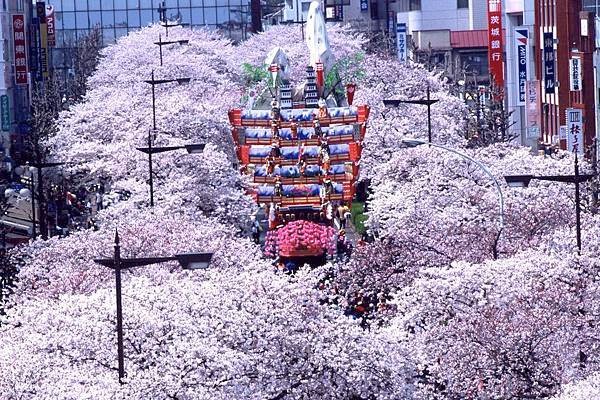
[
  {"x": 401, "y": 41},
  {"x": 548, "y": 63},
  {"x": 575, "y": 130}
]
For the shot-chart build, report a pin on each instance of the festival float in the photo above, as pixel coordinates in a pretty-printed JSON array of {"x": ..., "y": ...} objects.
[{"x": 301, "y": 143}]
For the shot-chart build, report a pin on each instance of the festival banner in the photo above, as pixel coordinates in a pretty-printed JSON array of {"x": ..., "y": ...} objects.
[
  {"x": 495, "y": 42},
  {"x": 522, "y": 47},
  {"x": 18, "y": 22}
]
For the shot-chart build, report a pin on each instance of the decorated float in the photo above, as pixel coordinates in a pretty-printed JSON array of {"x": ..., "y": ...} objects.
[{"x": 301, "y": 142}]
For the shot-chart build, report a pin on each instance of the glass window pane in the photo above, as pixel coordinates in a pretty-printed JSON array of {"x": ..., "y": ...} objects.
[
  {"x": 82, "y": 20},
  {"x": 109, "y": 36},
  {"x": 133, "y": 18},
  {"x": 69, "y": 38},
  {"x": 95, "y": 5},
  {"x": 171, "y": 4},
  {"x": 185, "y": 15},
  {"x": 146, "y": 17},
  {"x": 57, "y": 5},
  {"x": 121, "y": 19},
  {"x": 197, "y": 16},
  {"x": 58, "y": 25},
  {"x": 148, "y": 4},
  {"x": 222, "y": 15},
  {"x": 120, "y": 32},
  {"x": 81, "y": 33},
  {"x": 108, "y": 18},
  {"x": 60, "y": 39},
  {"x": 120, "y": 4},
  {"x": 68, "y": 5},
  {"x": 68, "y": 20},
  {"x": 133, "y": 4},
  {"x": 95, "y": 18}
]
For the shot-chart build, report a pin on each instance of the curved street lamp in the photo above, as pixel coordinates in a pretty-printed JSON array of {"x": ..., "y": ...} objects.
[
  {"x": 190, "y": 261},
  {"x": 418, "y": 142}
]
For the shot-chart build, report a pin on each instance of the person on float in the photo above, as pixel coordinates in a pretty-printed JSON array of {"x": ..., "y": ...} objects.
[
  {"x": 317, "y": 128},
  {"x": 275, "y": 129},
  {"x": 323, "y": 112},
  {"x": 278, "y": 187},
  {"x": 275, "y": 111},
  {"x": 275, "y": 150},
  {"x": 270, "y": 165},
  {"x": 324, "y": 158},
  {"x": 294, "y": 129}
]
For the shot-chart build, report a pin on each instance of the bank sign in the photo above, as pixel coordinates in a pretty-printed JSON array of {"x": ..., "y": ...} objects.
[{"x": 522, "y": 47}]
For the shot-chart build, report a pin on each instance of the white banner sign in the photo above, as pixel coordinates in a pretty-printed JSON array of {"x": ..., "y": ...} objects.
[
  {"x": 575, "y": 130},
  {"x": 575, "y": 74},
  {"x": 401, "y": 40}
]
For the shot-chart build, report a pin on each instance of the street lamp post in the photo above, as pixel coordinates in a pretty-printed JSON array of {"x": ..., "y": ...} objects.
[
  {"x": 191, "y": 261},
  {"x": 162, "y": 43},
  {"x": 417, "y": 142},
  {"x": 162, "y": 16},
  {"x": 577, "y": 178},
  {"x": 427, "y": 101},
  {"x": 190, "y": 148},
  {"x": 155, "y": 82}
]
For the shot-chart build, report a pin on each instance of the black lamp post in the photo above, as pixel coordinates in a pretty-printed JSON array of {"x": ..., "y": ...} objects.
[
  {"x": 523, "y": 181},
  {"x": 190, "y": 148},
  {"x": 155, "y": 82},
  {"x": 162, "y": 16},
  {"x": 160, "y": 44},
  {"x": 428, "y": 102},
  {"x": 191, "y": 261}
]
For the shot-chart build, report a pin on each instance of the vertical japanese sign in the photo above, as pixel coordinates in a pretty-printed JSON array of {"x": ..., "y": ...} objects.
[
  {"x": 401, "y": 41},
  {"x": 391, "y": 20},
  {"x": 495, "y": 42},
  {"x": 522, "y": 46},
  {"x": 575, "y": 74},
  {"x": 5, "y": 112},
  {"x": 532, "y": 108},
  {"x": 364, "y": 5},
  {"x": 548, "y": 54},
  {"x": 574, "y": 130},
  {"x": 20, "y": 49},
  {"x": 43, "y": 56},
  {"x": 50, "y": 23}
]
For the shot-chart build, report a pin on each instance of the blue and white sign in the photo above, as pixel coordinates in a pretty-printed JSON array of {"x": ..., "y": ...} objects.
[
  {"x": 522, "y": 47},
  {"x": 401, "y": 41},
  {"x": 364, "y": 5}
]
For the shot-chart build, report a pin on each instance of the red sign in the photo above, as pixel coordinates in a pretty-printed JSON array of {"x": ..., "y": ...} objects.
[
  {"x": 20, "y": 49},
  {"x": 495, "y": 42},
  {"x": 50, "y": 25}
]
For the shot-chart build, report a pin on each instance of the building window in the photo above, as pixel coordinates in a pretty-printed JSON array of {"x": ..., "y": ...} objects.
[
  {"x": 414, "y": 5},
  {"x": 462, "y": 4},
  {"x": 374, "y": 10}
]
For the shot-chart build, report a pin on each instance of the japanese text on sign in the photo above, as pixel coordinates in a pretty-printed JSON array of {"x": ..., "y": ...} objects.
[
  {"x": 574, "y": 130},
  {"x": 20, "y": 49},
  {"x": 575, "y": 74},
  {"x": 548, "y": 54},
  {"x": 522, "y": 46},
  {"x": 401, "y": 41},
  {"x": 495, "y": 42}
]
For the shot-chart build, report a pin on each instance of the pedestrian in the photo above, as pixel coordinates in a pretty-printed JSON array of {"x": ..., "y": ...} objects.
[
  {"x": 99, "y": 199},
  {"x": 256, "y": 229}
]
